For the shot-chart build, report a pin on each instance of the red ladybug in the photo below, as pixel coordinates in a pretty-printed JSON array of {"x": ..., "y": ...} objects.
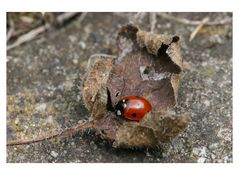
[{"x": 132, "y": 107}]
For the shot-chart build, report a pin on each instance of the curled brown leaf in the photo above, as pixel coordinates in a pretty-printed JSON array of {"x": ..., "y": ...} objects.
[{"x": 147, "y": 65}]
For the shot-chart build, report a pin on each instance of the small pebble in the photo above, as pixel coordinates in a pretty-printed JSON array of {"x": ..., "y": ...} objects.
[
  {"x": 72, "y": 38},
  {"x": 17, "y": 121},
  {"x": 213, "y": 146},
  {"x": 41, "y": 107},
  {"x": 82, "y": 44},
  {"x": 201, "y": 151},
  {"x": 49, "y": 119},
  {"x": 207, "y": 103},
  {"x": 54, "y": 154},
  {"x": 75, "y": 61}
]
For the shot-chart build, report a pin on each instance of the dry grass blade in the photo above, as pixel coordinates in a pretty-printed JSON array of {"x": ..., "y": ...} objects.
[
  {"x": 135, "y": 19},
  {"x": 152, "y": 18},
  {"x": 197, "y": 29},
  {"x": 35, "y": 32},
  {"x": 9, "y": 33},
  {"x": 189, "y": 22},
  {"x": 28, "y": 36}
]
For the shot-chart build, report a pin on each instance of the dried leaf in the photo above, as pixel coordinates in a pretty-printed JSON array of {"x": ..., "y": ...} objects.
[
  {"x": 95, "y": 78},
  {"x": 147, "y": 65}
]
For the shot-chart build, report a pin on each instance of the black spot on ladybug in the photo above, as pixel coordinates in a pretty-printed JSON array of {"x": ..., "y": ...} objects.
[{"x": 134, "y": 115}]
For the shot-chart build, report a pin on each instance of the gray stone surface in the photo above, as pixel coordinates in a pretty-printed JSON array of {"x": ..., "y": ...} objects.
[{"x": 44, "y": 92}]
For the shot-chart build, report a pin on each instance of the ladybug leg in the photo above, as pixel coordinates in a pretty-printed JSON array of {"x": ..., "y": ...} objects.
[{"x": 118, "y": 112}]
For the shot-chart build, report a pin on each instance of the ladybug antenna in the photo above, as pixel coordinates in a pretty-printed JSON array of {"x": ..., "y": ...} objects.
[{"x": 109, "y": 105}]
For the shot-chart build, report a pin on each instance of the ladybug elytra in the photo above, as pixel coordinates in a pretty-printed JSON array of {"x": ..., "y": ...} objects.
[
  {"x": 132, "y": 107},
  {"x": 129, "y": 107}
]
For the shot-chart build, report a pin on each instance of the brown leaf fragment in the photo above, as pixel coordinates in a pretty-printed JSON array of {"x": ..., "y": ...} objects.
[
  {"x": 148, "y": 65},
  {"x": 95, "y": 78},
  {"x": 108, "y": 125},
  {"x": 131, "y": 135},
  {"x": 99, "y": 108},
  {"x": 174, "y": 53},
  {"x": 152, "y": 42},
  {"x": 171, "y": 126},
  {"x": 143, "y": 74},
  {"x": 154, "y": 129},
  {"x": 165, "y": 126}
]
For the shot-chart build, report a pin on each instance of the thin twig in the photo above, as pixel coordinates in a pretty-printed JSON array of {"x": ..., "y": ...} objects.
[
  {"x": 135, "y": 19},
  {"x": 65, "y": 133},
  {"x": 152, "y": 19},
  {"x": 35, "y": 32},
  {"x": 28, "y": 36},
  {"x": 82, "y": 17},
  {"x": 11, "y": 30},
  {"x": 65, "y": 16},
  {"x": 189, "y": 22},
  {"x": 197, "y": 29},
  {"x": 9, "y": 33}
]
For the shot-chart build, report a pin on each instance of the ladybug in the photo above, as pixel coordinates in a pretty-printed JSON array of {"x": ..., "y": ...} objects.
[
  {"x": 132, "y": 107},
  {"x": 129, "y": 107}
]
